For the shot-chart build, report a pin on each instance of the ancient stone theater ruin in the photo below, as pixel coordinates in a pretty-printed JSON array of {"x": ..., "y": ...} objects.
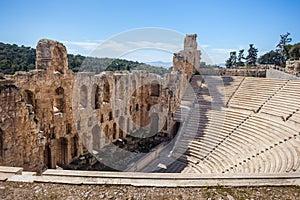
[{"x": 214, "y": 124}]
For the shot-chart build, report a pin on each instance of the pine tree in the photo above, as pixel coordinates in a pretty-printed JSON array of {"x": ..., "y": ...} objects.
[
  {"x": 240, "y": 58},
  {"x": 231, "y": 62},
  {"x": 252, "y": 55},
  {"x": 282, "y": 47}
]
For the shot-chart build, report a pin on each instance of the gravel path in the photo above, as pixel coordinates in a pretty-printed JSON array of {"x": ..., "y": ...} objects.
[{"x": 27, "y": 191}]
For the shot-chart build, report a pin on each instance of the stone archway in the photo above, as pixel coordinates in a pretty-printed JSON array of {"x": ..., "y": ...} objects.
[
  {"x": 154, "y": 123},
  {"x": 106, "y": 133},
  {"x": 122, "y": 127},
  {"x": 62, "y": 156},
  {"x": 47, "y": 156},
  {"x": 115, "y": 132},
  {"x": 96, "y": 137},
  {"x": 83, "y": 96},
  {"x": 106, "y": 90},
  {"x": 134, "y": 88},
  {"x": 121, "y": 90},
  {"x": 59, "y": 100},
  {"x": 155, "y": 89},
  {"x": 29, "y": 97},
  {"x": 95, "y": 97},
  {"x": 74, "y": 146}
]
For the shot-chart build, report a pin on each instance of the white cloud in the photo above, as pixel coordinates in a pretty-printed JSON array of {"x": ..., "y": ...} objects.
[
  {"x": 81, "y": 47},
  {"x": 135, "y": 50},
  {"x": 223, "y": 50},
  {"x": 204, "y": 46},
  {"x": 114, "y": 49}
]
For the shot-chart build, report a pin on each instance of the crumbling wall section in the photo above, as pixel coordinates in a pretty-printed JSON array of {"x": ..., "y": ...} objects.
[{"x": 20, "y": 140}]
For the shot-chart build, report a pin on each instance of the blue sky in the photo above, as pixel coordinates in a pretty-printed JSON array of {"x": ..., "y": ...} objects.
[{"x": 221, "y": 26}]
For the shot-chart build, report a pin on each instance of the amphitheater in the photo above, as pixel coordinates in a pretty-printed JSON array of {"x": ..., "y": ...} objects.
[{"x": 225, "y": 130}]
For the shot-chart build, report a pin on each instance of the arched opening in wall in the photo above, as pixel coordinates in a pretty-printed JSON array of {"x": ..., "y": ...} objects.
[
  {"x": 110, "y": 116},
  {"x": 83, "y": 96},
  {"x": 154, "y": 123},
  {"x": 122, "y": 127},
  {"x": 106, "y": 90},
  {"x": 47, "y": 156},
  {"x": 155, "y": 89},
  {"x": 74, "y": 146},
  {"x": 59, "y": 101},
  {"x": 85, "y": 141},
  {"x": 96, "y": 137},
  {"x": 115, "y": 134},
  {"x": 134, "y": 88},
  {"x": 68, "y": 128},
  {"x": 165, "y": 128},
  {"x": 1, "y": 146},
  {"x": 62, "y": 151},
  {"x": 106, "y": 133},
  {"x": 95, "y": 97},
  {"x": 128, "y": 125},
  {"x": 29, "y": 97},
  {"x": 121, "y": 90},
  {"x": 58, "y": 63},
  {"x": 148, "y": 107}
]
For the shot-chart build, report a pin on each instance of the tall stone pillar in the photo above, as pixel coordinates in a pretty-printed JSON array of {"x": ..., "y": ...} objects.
[{"x": 187, "y": 61}]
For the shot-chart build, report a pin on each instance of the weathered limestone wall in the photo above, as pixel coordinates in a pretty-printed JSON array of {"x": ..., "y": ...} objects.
[
  {"x": 49, "y": 113},
  {"x": 136, "y": 100},
  {"x": 48, "y": 93},
  {"x": 187, "y": 61},
  {"x": 19, "y": 132},
  {"x": 293, "y": 67}
]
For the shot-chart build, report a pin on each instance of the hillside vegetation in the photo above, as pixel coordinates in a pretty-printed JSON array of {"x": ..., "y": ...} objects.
[{"x": 15, "y": 58}]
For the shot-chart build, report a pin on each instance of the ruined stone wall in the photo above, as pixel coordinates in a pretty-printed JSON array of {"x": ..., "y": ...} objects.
[
  {"x": 20, "y": 139},
  {"x": 137, "y": 100},
  {"x": 47, "y": 91},
  {"x": 187, "y": 61},
  {"x": 293, "y": 67},
  {"x": 50, "y": 115}
]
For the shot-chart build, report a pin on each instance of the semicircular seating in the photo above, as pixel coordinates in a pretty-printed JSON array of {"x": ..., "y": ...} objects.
[{"x": 248, "y": 136}]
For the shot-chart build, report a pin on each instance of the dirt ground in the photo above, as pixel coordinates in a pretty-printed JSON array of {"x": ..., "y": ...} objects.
[{"x": 27, "y": 191}]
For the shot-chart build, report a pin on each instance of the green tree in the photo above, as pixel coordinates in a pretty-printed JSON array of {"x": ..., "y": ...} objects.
[
  {"x": 271, "y": 57},
  {"x": 283, "y": 48},
  {"x": 240, "y": 58},
  {"x": 294, "y": 51},
  {"x": 252, "y": 55},
  {"x": 231, "y": 62}
]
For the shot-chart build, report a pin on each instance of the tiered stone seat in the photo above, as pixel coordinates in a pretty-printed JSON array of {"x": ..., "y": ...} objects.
[
  {"x": 238, "y": 140},
  {"x": 231, "y": 84},
  {"x": 296, "y": 117},
  {"x": 285, "y": 102},
  {"x": 253, "y": 137},
  {"x": 254, "y": 92},
  {"x": 284, "y": 158},
  {"x": 215, "y": 127},
  {"x": 181, "y": 113}
]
